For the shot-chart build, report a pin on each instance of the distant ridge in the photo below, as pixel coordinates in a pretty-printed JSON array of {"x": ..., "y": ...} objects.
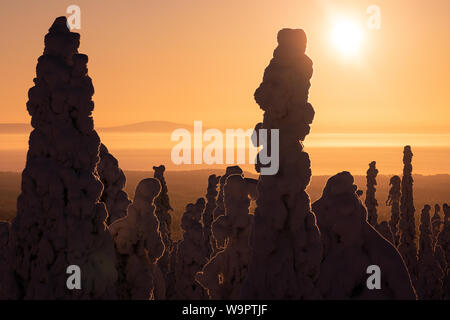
[
  {"x": 145, "y": 126},
  {"x": 167, "y": 126},
  {"x": 148, "y": 126}
]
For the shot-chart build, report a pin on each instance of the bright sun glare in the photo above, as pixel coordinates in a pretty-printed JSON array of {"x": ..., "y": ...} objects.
[{"x": 347, "y": 37}]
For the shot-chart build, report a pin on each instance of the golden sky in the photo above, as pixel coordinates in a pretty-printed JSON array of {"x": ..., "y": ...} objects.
[{"x": 184, "y": 60}]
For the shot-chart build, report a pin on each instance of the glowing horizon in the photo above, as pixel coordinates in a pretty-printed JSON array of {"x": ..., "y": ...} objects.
[{"x": 180, "y": 62}]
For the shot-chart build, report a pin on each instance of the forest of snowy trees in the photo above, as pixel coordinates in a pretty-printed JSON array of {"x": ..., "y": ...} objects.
[{"x": 73, "y": 210}]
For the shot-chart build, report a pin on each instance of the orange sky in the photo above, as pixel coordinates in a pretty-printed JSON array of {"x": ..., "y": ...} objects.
[{"x": 185, "y": 60}]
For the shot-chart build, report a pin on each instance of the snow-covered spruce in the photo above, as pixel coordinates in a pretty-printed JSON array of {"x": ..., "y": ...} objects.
[
  {"x": 224, "y": 274},
  {"x": 351, "y": 245},
  {"x": 436, "y": 223},
  {"x": 190, "y": 254},
  {"x": 407, "y": 226},
  {"x": 444, "y": 243},
  {"x": 371, "y": 202},
  {"x": 113, "y": 179},
  {"x": 444, "y": 235},
  {"x": 430, "y": 274},
  {"x": 220, "y": 205},
  {"x": 60, "y": 220},
  {"x": 207, "y": 215},
  {"x": 139, "y": 246},
  {"x": 286, "y": 243},
  {"x": 394, "y": 202},
  {"x": 162, "y": 203},
  {"x": 163, "y": 207}
]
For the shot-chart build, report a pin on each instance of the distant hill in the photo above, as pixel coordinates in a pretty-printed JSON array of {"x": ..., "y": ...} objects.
[
  {"x": 167, "y": 126},
  {"x": 148, "y": 126}
]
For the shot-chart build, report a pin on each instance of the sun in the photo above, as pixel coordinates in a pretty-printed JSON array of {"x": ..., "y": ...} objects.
[{"x": 347, "y": 37}]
